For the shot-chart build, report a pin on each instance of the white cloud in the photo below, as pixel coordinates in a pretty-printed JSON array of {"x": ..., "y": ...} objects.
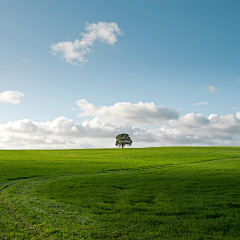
[
  {"x": 235, "y": 107},
  {"x": 201, "y": 103},
  {"x": 211, "y": 89},
  {"x": 61, "y": 133},
  {"x": 126, "y": 112},
  {"x": 11, "y": 96},
  {"x": 100, "y": 132},
  {"x": 192, "y": 129},
  {"x": 190, "y": 120},
  {"x": 75, "y": 52}
]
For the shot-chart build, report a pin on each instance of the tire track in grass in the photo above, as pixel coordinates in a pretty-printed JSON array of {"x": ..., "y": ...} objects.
[
  {"x": 23, "y": 222},
  {"x": 35, "y": 231}
]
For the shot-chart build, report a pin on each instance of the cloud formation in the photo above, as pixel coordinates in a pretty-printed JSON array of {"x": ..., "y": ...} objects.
[
  {"x": 190, "y": 129},
  {"x": 211, "y": 89},
  {"x": 61, "y": 133},
  {"x": 126, "y": 112},
  {"x": 14, "y": 97},
  {"x": 75, "y": 52},
  {"x": 102, "y": 124},
  {"x": 201, "y": 103}
]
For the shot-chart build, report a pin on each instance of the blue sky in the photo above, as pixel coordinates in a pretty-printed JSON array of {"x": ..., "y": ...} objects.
[{"x": 166, "y": 53}]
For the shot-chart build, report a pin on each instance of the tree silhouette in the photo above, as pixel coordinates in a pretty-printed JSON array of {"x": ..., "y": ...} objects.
[{"x": 122, "y": 140}]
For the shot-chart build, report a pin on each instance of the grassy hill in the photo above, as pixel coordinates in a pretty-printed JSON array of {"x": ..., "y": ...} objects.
[{"x": 150, "y": 193}]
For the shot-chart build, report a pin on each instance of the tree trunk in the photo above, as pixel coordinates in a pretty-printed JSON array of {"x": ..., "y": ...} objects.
[{"x": 122, "y": 145}]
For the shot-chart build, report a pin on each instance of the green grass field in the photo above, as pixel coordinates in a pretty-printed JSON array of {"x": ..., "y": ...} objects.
[{"x": 149, "y": 193}]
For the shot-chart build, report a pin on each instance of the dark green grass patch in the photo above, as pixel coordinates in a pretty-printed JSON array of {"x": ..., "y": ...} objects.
[{"x": 186, "y": 201}]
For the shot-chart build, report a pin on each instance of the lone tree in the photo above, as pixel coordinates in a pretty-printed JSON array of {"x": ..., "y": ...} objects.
[{"x": 122, "y": 140}]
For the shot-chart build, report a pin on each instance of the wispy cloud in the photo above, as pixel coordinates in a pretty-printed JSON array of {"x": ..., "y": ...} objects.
[
  {"x": 235, "y": 107},
  {"x": 201, "y": 103},
  {"x": 11, "y": 96},
  {"x": 211, "y": 88},
  {"x": 238, "y": 79},
  {"x": 75, "y": 52}
]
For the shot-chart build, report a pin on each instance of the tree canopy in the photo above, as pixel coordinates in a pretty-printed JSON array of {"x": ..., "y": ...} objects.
[{"x": 122, "y": 140}]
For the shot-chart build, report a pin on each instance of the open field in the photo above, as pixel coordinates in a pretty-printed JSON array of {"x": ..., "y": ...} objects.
[{"x": 149, "y": 193}]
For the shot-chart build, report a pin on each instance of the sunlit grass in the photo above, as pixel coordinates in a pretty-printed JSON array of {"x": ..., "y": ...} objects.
[{"x": 157, "y": 193}]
